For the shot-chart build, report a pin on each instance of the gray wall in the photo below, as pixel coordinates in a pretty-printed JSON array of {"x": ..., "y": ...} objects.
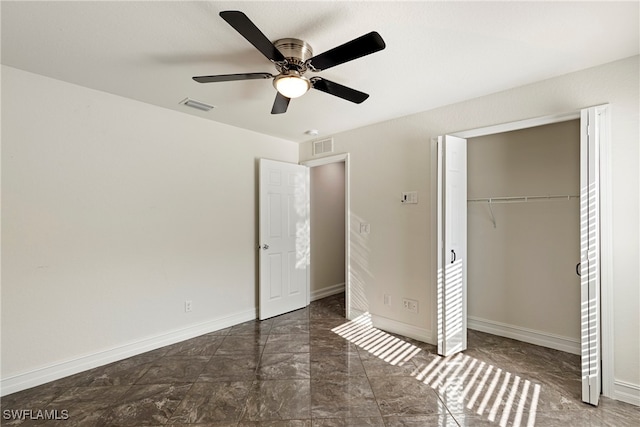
[
  {"x": 397, "y": 258},
  {"x": 114, "y": 213}
]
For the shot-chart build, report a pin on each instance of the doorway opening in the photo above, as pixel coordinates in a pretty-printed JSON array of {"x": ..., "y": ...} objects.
[
  {"x": 595, "y": 238},
  {"x": 330, "y": 231},
  {"x": 523, "y": 212}
]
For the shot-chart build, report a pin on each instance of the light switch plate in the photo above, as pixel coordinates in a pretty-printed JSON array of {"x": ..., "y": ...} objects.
[{"x": 409, "y": 197}]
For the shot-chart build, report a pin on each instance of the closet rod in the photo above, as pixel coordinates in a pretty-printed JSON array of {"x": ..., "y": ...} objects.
[{"x": 522, "y": 199}]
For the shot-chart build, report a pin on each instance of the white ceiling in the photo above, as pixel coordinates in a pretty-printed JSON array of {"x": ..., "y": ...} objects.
[{"x": 437, "y": 53}]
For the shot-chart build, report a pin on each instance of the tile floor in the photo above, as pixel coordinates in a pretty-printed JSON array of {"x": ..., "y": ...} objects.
[{"x": 313, "y": 368}]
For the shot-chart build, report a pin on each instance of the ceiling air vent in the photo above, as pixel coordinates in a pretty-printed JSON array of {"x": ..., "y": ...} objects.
[
  {"x": 323, "y": 146},
  {"x": 196, "y": 104}
]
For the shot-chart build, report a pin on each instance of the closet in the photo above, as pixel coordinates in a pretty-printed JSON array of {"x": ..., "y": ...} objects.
[{"x": 523, "y": 234}]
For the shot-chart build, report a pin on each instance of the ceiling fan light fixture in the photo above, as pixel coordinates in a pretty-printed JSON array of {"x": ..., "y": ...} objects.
[{"x": 291, "y": 84}]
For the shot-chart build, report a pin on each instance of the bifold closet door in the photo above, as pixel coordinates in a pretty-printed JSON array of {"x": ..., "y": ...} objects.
[
  {"x": 452, "y": 245},
  {"x": 593, "y": 128}
]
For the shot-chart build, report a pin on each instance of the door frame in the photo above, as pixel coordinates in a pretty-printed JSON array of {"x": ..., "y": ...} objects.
[
  {"x": 341, "y": 158},
  {"x": 606, "y": 226}
]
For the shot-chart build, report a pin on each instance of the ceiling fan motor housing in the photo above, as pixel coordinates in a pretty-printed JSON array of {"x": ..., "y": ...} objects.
[{"x": 296, "y": 52}]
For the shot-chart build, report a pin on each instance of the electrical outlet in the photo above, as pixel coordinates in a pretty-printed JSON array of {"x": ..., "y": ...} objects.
[
  {"x": 387, "y": 299},
  {"x": 188, "y": 306},
  {"x": 410, "y": 304}
]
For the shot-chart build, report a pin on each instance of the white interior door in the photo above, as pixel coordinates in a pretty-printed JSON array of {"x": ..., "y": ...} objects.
[
  {"x": 452, "y": 245},
  {"x": 592, "y": 128},
  {"x": 284, "y": 237}
]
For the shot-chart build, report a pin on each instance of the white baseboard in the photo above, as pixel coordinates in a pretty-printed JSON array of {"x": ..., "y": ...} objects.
[
  {"x": 395, "y": 327},
  {"x": 626, "y": 392},
  {"x": 327, "y": 291},
  {"x": 60, "y": 370},
  {"x": 530, "y": 336}
]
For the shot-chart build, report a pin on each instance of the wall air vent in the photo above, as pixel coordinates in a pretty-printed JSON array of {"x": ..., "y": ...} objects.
[
  {"x": 323, "y": 146},
  {"x": 196, "y": 104}
]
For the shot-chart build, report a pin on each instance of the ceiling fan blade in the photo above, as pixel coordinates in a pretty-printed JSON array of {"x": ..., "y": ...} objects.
[
  {"x": 280, "y": 104},
  {"x": 339, "y": 90},
  {"x": 231, "y": 77},
  {"x": 242, "y": 24},
  {"x": 356, "y": 48}
]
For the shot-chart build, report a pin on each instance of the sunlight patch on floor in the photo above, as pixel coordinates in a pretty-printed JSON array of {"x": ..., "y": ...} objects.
[{"x": 473, "y": 385}]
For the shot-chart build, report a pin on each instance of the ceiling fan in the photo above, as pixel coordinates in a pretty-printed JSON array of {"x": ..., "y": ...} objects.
[{"x": 293, "y": 58}]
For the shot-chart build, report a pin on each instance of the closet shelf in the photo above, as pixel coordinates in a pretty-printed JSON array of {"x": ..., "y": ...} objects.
[{"x": 522, "y": 199}]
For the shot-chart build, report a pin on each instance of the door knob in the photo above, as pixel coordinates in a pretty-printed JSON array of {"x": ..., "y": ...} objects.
[{"x": 265, "y": 247}]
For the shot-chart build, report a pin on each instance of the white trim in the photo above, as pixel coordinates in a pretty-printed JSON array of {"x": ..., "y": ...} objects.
[
  {"x": 531, "y": 336},
  {"x": 327, "y": 291},
  {"x": 59, "y": 370},
  {"x": 308, "y": 218},
  {"x": 521, "y": 124},
  {"x": 606, "y": 254},
  {"x": 626, "y": 392},
  {"x": 342, "y": 158},
  {"x": 347, "y": 236},
  {"x": 336, "y": 158},
  {"x": 395, "y": 327},
  {"x": 434, "y": 233}
]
